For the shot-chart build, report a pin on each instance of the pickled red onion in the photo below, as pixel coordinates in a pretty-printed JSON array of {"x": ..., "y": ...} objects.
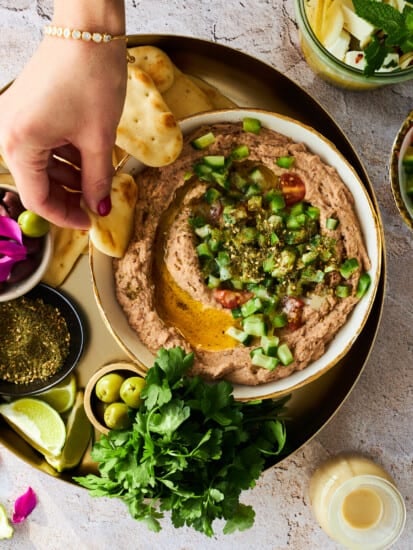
[{"x": 12, "y": 249}]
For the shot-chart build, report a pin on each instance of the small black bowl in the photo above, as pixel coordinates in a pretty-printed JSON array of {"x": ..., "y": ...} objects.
[{"x": 77, "y": 341}]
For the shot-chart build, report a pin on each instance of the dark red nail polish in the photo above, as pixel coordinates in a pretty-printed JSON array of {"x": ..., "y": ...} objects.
[{"x": 105, "y": 206}]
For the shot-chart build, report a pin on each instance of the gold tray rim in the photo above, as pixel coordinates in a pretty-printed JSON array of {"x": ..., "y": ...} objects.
[{"x": 199, "y": 46}]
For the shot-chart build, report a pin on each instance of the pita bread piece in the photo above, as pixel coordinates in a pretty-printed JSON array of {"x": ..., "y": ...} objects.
[
  {"x": 68, "y": 245},
  {"x": 147, "y": 129},
  {"x": 156, "y": 64},
  {"x": 218, "y": 99},
  {"x": 185, "y": 98},
  {"x": 111, "y": 234}
]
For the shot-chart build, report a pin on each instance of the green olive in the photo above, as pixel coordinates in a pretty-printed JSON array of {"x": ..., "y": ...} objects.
[
  {"x": 130, "y": 391},
  {"x": 107, "y": 388},
  {"x": 116, "y": 416},
  {"x": 32, "y": 225}
]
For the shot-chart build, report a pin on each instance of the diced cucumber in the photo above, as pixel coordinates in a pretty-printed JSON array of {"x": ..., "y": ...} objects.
[
  {"x": 277, "y": 203},
  {"x": 256, "y": 176},
  {"x": 285, "y": 162},
  {"x": 252, "y": 306},
  {"x": 239, "y": 335},
  {"x": 213, "y": 282},
  {"x": 240, "y": 152},
  {"x": 203, "y": 141},
  {"x": 204, "y": 251},
  {"x": 279, "y": 320},
  {"x": 297, "y": 208},
  {"x": 332, "y": 223},
  {"x": 203, "y": 231},
  {"x": 259, "y": 359},
  {"x": 343, "y": 291},
  {"x": 252, "y": 190},
  {"x": 250, "y": 124},
  {"x": 309, "y": 257},
  {"x": 225, "y": 273},
  {"x": 348, "y": 267},
  {"x": 212, "y": 195},
  {"x": 223, "y": 259},
  {"x": 313, "y": 212},
  {"x": 284, "y": 354},
  {"x": 270, "y": 345},
  {"x": 363, "y": 285},
  {"x": 236, "y": 313},
  {"x": 255, "y": 325},
  {"x": 215, "y": 161}
]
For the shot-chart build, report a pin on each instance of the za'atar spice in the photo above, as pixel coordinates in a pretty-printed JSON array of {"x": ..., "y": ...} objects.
[{"x": 34, "y": 340}]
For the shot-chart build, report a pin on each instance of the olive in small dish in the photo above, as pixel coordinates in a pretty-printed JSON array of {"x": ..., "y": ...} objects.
[
  {"x": 112, "y": 394},
  {"x": 25, "y": 246}
]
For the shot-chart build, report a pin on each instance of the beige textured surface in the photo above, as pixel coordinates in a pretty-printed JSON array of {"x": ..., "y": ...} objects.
[{"x": 378, "y": 416}]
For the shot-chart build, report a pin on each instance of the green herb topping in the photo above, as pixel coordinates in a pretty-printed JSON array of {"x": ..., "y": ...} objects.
[
  {"x": 191, "y": 451},
  {"x": 394, "y": 31}
]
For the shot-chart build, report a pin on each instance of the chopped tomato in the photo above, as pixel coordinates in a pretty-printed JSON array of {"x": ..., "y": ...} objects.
[
  {"x": 293, "y": 188},
  {"x": 231, "y": 299},
  {"x": 293, "y": 307}
]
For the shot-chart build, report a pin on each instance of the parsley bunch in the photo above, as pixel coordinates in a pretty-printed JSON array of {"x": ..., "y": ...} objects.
[
  {"x": 395, "y": 31},
  {"x": 192, "y": 450}
]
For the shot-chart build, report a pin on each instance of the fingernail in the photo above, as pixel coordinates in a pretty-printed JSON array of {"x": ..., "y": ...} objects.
[{"x": 105, "y": 206}]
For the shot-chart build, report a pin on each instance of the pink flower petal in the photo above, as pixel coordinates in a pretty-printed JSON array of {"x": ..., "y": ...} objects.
[
  {"x": 11, "y": 229},
  {"x": 24, "y": 506},
  {"x": 12, "y": 249}
]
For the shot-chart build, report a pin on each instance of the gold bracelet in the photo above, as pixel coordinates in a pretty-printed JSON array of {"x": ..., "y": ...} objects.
[{"x": 86, "y": 36}]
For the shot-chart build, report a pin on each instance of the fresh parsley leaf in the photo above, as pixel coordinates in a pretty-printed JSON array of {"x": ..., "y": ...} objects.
[{"x": 191, "y": 451}]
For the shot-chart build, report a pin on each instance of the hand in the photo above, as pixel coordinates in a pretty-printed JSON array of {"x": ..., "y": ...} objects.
[{"x": 67, "y": 101}]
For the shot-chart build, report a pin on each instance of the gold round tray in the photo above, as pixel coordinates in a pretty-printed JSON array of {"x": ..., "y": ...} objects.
[{"x": 248, "y": 82}]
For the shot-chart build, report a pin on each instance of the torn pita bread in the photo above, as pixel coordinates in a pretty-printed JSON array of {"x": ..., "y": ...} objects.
[
  {"x": 68, "y": 245},
  {"x": 185, "y": 98},
  {"x": 111, "y": 234},
  {"x": 155, "y": 63},
  {"x": 147, "y": 129},
  {"x": 218, "y": 99}
]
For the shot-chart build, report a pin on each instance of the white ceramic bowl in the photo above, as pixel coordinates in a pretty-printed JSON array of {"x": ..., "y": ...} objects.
[
  {"x": 114, "y": 317},
  {"x": 14, "y": 290}
]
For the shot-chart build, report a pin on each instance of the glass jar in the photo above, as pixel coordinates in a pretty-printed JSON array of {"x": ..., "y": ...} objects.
[
  {"x": 357, "y": 503},
  {"x": 330, "y": 68}
]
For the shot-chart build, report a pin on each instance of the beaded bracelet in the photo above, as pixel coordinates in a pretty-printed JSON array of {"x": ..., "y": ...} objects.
[{"x": 87, "y": 36}]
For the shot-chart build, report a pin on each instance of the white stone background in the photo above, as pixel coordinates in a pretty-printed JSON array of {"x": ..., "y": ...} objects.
[{"x": 376, "y": 419}]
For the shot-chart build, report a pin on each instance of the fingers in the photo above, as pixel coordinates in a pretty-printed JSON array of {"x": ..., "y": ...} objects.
[
  {"x": 44, "y": 194},
  {"x": 97, "y": 174}
]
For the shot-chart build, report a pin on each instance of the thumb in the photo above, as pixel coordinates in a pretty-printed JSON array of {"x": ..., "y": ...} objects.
[{"x": 97, "y": 174}]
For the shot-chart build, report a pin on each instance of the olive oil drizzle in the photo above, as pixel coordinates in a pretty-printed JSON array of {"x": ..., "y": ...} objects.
[{"x": 203, "y": 327}]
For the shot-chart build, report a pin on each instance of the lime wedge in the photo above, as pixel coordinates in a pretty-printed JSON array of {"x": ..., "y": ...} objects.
[
  {"x": 6, "y": 530},
  {"x": 36, "y": 422},
  {"x": 78, "y": 436},
  {"x": 62, "y": 396}
]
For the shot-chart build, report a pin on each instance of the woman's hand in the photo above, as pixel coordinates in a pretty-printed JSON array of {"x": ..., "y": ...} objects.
[{"x": 67, "y": 102}]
